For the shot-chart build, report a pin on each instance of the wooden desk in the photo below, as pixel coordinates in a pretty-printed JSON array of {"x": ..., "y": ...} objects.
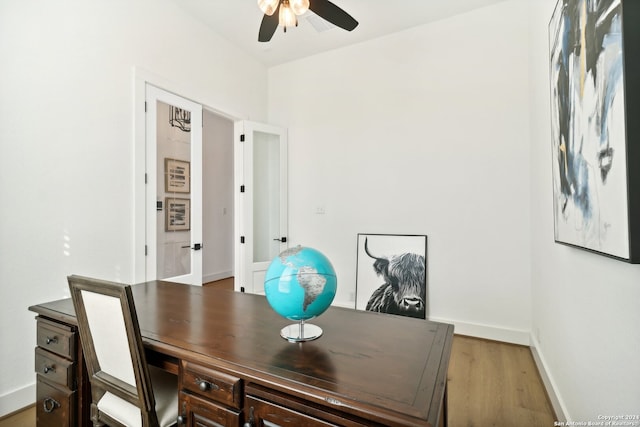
[{"x": 367, "y": 369}]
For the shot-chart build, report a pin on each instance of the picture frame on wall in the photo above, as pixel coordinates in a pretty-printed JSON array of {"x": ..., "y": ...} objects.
[
  {"x": 595, "y": 101},
  {"x": 391, "y": 274},
  {"x": 177, "y": 174},
  {"x": 177, "y": 214}
]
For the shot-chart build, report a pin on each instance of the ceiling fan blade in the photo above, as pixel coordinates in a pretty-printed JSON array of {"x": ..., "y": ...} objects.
[
  {"x": 268, "y": 26},
  {"x": 332, "y": 13}
]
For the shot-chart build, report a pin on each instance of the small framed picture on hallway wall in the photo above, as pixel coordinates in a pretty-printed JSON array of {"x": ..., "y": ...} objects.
[
  {"x": 177, "y": 176},
  {"x": 178, "y": 214}
]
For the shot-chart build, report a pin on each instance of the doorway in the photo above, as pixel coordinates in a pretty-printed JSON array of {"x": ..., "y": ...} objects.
[
  {"x": 223, "y": 222},
  {"x": 190, "y": 199},
  {"x": 218, "y": 211},
  {"x": 173, "y": 248}
]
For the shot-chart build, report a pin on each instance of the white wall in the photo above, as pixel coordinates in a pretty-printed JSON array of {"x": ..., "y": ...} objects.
[
  {"x": 66, "y": 137},
  {"x": 586, "y": 321},
  {"x": 441, "y": 130},
  {"x": 421, "y": 132}
]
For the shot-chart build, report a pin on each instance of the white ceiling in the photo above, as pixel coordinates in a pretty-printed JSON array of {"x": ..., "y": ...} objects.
[{"x": 238, "y": 21}]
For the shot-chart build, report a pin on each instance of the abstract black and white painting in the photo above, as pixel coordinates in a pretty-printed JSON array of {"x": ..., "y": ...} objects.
[
  {"x": 391, "y": 275},
  {"x": 590, "y": 182}
]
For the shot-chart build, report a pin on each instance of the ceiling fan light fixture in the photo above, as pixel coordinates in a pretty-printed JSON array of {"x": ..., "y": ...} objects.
[
  {"x": 289, "y": 10},
  {"x": 287, "y": 17},
  {"x": 268, "y": 7},
  {"x": 299, "y": 6}
]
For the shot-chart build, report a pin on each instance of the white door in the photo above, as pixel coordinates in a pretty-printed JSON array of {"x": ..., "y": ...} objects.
[
  {"x": 261, "y": 170},
  {"x": 174, "y": 188}
]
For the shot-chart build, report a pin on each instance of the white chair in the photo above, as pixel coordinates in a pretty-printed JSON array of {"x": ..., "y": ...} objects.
[{"x": 125, "y": 390}]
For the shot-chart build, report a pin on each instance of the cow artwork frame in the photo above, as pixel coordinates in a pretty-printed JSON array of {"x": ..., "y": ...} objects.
[{"x": 386, "y": 255}]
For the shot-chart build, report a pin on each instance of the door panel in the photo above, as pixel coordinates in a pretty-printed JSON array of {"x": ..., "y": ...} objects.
[
  {"x": 174, "y": 188},
  {"x": 263, "y": 206}
]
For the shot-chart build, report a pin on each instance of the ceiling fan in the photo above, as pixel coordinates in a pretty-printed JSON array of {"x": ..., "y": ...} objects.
[{"x": 285, "y": 12}]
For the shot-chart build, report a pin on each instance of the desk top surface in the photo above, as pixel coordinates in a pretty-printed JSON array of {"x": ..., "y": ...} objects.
[{"x": 390, "y": 363}]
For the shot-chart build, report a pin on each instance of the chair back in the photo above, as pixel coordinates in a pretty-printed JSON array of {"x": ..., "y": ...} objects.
[{"x": 112, "y": 345}]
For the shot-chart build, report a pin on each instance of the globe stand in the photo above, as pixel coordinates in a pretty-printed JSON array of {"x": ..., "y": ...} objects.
[{"x": 300, "y": 332}]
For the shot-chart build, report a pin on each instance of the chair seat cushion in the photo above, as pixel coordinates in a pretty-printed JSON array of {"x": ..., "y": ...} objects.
[{"x": 165, "y": 390}]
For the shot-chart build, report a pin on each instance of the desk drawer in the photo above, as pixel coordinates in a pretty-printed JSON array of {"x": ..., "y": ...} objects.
[
  {"x": 199, "y": 412},
  {"x": 55, "y": 406},
  {"x": 211, "y": 384},
  {"x": 55, "y": 368},
  {"x": 265, "y": 413},
  {"x": 57, "y": 338}
]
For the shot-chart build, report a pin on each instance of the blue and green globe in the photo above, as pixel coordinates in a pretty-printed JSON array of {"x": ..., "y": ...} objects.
[{"x": 300, "y": 283}]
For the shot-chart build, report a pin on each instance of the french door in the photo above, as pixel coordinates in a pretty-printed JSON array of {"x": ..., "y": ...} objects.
[
  {"x": 173, "y": 188},
  {"x": 261, "y": 170}
]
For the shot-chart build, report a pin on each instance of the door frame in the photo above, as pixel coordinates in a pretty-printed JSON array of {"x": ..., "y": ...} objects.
[{"x": 141, "y": 78}]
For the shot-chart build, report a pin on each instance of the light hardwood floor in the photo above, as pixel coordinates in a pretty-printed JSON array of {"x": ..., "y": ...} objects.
[
  {"x": 495, "y": 384},
  {"x": 24, "y": 418}
]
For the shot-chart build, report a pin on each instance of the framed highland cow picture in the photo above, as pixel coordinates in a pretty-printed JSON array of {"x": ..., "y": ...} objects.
[
  {"x": 595, "y": 105},
  {"x": 391, "y": 274}
]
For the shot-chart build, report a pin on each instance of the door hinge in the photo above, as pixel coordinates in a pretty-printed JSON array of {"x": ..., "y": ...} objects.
[
  {"x": 242, "y": 138},
  {"x": 242, "y": 188},
  {"x": 241, "y": 239},
  {"x": 146, "y": 178},
  {"x": 145, "y": 106},
  {"x": 146, "y": 250}
]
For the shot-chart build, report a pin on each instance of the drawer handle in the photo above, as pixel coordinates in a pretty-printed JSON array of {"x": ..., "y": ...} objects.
[
  {"x": 49, "y": 405},
  {"x": 333, "y": 401},
  {"x": 250, "y": 422},
  {"x": 51, "y": 340},
  {"x": 182, "y": 418},
  {"x": 205, "y": 385},
  {"x": 48, "y": 369}
]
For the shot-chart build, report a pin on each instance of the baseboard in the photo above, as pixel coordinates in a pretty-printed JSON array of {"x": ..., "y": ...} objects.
[
  {"x": 552, "y": 391},
  {"x": 344, "y": 304},
  {"x": 513, "y": 336},
  {"x": 17, "y": 399},
  {"x": 206, "y": 278}
]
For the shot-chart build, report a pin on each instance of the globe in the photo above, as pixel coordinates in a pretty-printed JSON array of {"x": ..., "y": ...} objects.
[{"x": 300, "y": 284}]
